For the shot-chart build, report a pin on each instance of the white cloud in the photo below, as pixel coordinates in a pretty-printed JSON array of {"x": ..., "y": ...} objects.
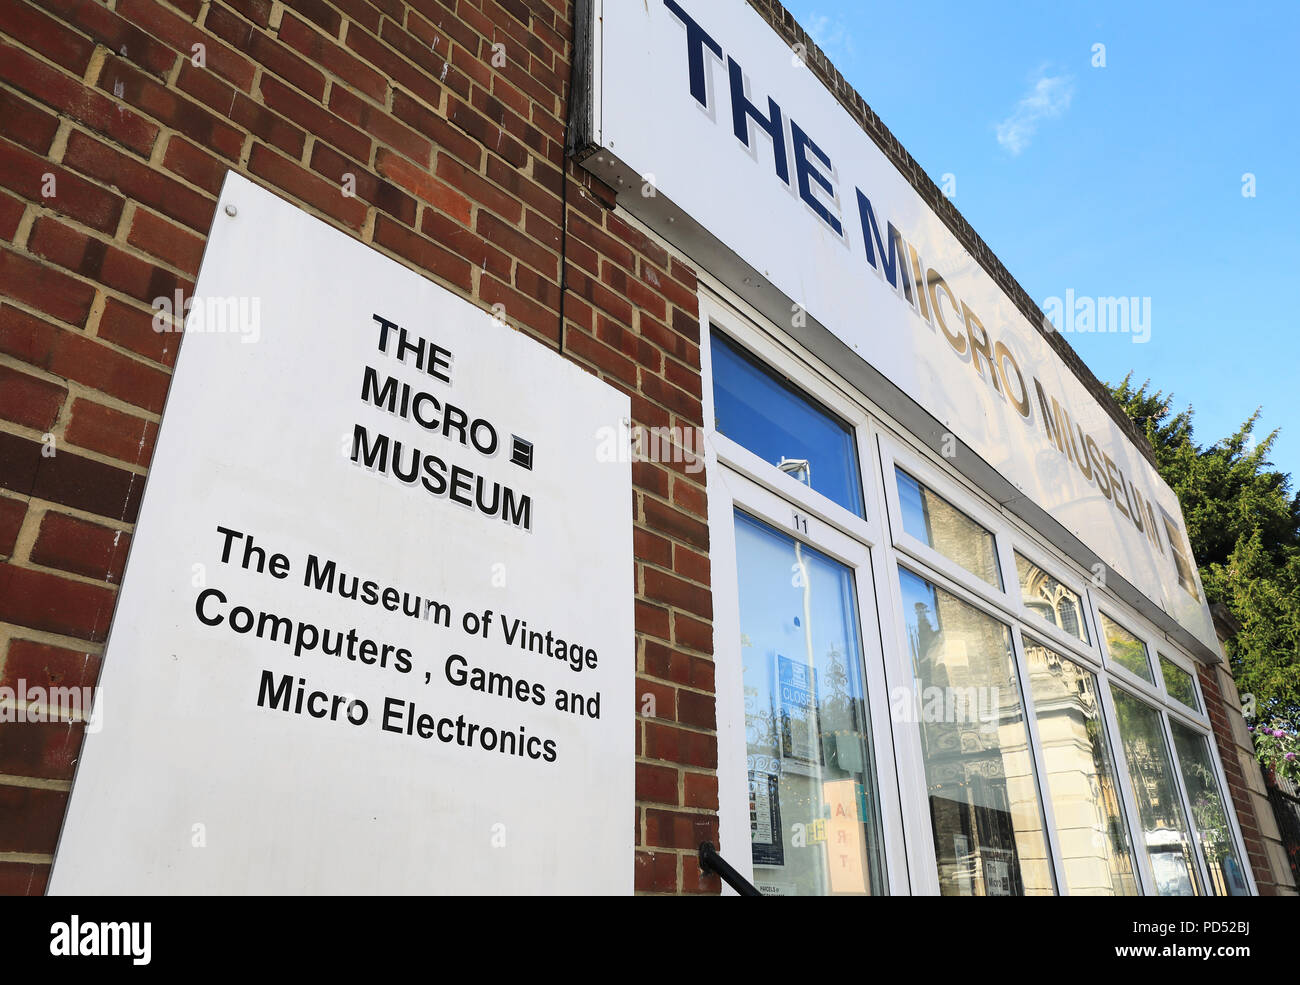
[
  {"x": 831, "y": 36},
  {"x": 1048, "y": 98}
]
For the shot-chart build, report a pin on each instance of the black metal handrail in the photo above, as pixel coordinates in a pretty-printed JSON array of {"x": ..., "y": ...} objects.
[{"x": 711, "y": 861}]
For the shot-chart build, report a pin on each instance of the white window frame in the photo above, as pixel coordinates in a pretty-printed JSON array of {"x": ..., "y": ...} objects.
[
  {"x": 1127, "y": 620},
  {"x": 1141, "y": 865},
  {"x": 1180, "y": 790},
  {"x": 1225, "y": 798},
  {"x": 964, "y": 593},
  {"x": 739, "y": 479},
  {"x": 1137, "y": 837},
  {"x": 1156, "y": 695},
  {"x": 880, "y": 444},
  {"x": 1037, "y": 625},
  {"x": 1180, "y": 660},
  {"x": 895, "y": 455},
  {"x": 735, "y": 455}
]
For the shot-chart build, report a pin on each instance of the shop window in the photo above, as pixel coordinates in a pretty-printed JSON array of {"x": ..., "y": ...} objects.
[
  {"x": 1179, "y": 683},
  {"x": 1208, "y": 815},
  {"x": 984, "y": 808},
  {"x": 935, "y": 522},
  {"x": 1126, "y": 649},
  {"x": 1155, "y": 789},
  {"x": 1048, "y": 598},
  {"x": 1081, "y": 779},
  {"x": 767, "y": 414},
  {"x": 814, "y": 809}
]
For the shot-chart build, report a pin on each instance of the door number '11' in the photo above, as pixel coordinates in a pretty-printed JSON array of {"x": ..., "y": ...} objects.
[{"x": 800, "y": 522}]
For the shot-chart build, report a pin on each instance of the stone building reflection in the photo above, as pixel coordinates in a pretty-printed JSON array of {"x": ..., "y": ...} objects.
[
  {"x": 987, "y": 825},
  {"x": 1080, "y": 777},
  {"x": 1044, "y": 595}
]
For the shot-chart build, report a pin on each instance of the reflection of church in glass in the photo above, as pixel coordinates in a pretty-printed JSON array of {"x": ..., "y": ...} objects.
[
  {"x": 1047, "y": 597},
  {"x": 1080, "y": 776},
  {"x": 988, "y": 832}
]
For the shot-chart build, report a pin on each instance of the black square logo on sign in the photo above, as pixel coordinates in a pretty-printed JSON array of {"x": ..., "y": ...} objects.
[{"x": 521, "y": 452}]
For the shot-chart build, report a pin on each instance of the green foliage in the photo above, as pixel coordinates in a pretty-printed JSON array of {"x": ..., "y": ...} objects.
[
  {"x": 1243, "y": 523},
  {"x": 1279, "y": 750}
]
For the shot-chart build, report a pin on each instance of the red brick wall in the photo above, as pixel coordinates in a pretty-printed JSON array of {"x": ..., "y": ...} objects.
[
  {"x": 1250, "y": 833},
  {"x": 113, "y": 145}
]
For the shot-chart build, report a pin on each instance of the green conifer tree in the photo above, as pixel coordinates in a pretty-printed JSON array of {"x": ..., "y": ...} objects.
[{"x": 1243, "y": 523}]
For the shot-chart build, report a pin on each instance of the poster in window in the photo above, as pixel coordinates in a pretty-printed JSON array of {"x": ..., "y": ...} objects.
[
  {"x": 846, "y": 848},
  {"x": 800, "y": 744},
  {"x": 997, "y": 877},
  {"x": 765, "y": 819}
]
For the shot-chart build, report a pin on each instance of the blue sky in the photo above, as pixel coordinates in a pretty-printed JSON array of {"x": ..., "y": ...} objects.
[{"x": 1123, "y": 180}]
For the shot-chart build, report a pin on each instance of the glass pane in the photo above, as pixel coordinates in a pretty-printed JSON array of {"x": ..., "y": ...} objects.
[
  {"x": 1080, "y": 776},
  {"x": 813, "y": 808},
  {"x": 754, "y": 407},
  {"x": 984, "y": 810},
  {"x": 1125, "y": 649},
  {"x": 1226, "y": 876},
  {"x": 936, "y": 522},
  {"x": 1163, "y": 822},
  {"x": 1179, "y": 683},
  {"x": 1050, "y": 599}
]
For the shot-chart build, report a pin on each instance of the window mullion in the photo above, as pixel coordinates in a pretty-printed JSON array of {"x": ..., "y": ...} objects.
[
  {"x": 1040, "y": 766},
  {"x": 908, "y": 746}
]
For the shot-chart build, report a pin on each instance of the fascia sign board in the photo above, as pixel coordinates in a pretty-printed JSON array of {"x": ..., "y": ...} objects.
[{"x": 718, "y": 137}]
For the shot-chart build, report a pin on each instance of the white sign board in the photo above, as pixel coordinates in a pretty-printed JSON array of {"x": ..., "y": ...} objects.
[
  {"x": 703, "y": 103},
  {"x": 376, "y": 629}
]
